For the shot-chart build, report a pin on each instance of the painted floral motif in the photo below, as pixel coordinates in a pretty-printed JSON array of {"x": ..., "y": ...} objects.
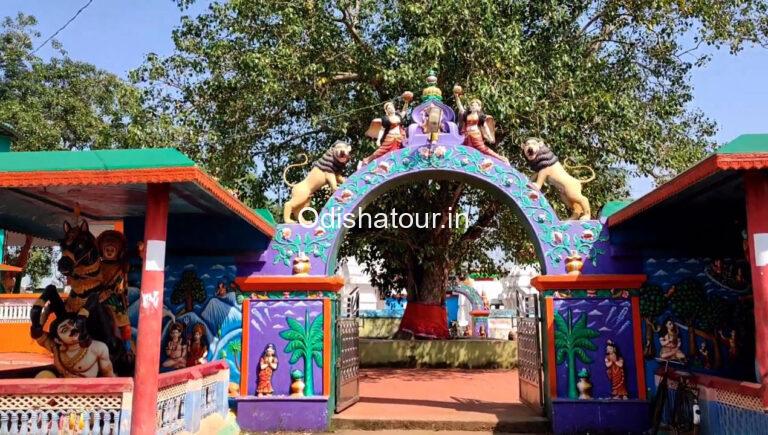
[{"x": 557, "y": 238}]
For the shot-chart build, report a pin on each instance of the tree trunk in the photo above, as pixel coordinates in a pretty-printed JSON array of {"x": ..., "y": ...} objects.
[
  {"x": 309, "y": 381},
  {"x": 188, "y": 302},
  {"x": 572, "y": 392},
  {"x": 649, "y": 351},
  {"x": 425, "y": 315},
  {"x": 691, "y": 340}
]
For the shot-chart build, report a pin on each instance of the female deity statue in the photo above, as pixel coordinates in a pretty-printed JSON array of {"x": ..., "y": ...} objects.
[
  {"x": 197, "y": 351},
  {"x": 670, "y": 343},
  {"x": 614, "y": 364},
  {"x": 476, "y": 126},
  {"x": 267, "y": 367},
  {"x": 388, "y": 131},
  {"x": 176, "y": 347}
]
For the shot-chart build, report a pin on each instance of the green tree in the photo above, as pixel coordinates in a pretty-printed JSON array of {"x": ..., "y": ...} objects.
[
  {"x": 688, "y": 299},
  {"x": 572, "y": 341},
  {"x": 305, "y": 342},
  {"x": 189, "y": 289},
  {"x": 604, "y": 82},
  {"x": 652, "y": 304},
  {"x": 39, "y": 265},
  {"x": 65, "y": 104}
]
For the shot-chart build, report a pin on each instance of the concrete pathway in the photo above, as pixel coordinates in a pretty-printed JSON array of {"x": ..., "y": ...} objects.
[{"x": 440, "y": 399}]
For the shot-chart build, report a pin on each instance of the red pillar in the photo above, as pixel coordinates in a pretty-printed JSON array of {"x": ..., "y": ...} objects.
[
  {"x": 144, "y": 412},
  {"x": 756, "y": 189}
]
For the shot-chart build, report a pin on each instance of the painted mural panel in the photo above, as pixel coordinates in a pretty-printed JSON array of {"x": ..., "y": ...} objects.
[
  {"x": 594, "y": 351},
  {"x": 698, "y": 314},
  {"x": 285, "y": 346},
  {"x": 202, "y": 312}
]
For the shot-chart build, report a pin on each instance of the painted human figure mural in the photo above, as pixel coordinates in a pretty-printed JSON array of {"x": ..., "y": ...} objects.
[
  {"x": 670, "y": 342},
  {"x": 267, "y": 367},
  {"x": 197, "y": 350},
  {"x": 614, "y": 364},
  {"x": 74, "y": 355},
  {"x": 176, "y": 347}
]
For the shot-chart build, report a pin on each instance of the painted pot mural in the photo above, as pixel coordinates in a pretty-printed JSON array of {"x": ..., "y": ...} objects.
[
  {"x": 594, "y": 336},
  {"x": 285, "y": 341}
]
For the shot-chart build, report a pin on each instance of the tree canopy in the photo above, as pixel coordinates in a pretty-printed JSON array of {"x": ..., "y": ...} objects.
[
  {"x": 604, "y": 82},
  {"x": 61, "y": 103}
]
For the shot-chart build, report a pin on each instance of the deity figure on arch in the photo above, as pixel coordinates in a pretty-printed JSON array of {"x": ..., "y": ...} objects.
[
  {"x": 477, "y": 127},
  {"x": 388, "y": 131}
]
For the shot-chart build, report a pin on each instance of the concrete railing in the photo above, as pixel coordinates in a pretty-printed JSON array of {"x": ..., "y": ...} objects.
[
  {"x": 15, "y": 308},
  {"x": 727, "y": 405},
  {"x": 103, "y": 405},
  {"x": 188, "y": 395},
  {"x": 63, "y": 406}
]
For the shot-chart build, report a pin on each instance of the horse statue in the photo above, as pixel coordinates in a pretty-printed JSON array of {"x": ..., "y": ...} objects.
[{"x": 96, "y": 270}]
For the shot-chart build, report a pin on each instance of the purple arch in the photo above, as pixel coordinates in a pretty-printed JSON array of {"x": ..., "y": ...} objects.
[{"x": 553, "y": 239}]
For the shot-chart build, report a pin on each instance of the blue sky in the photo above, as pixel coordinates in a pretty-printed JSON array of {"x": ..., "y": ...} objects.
[{"x": 116, "y": 35}]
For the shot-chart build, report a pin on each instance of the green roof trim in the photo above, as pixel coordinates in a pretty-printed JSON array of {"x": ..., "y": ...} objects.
[
  {"x": 44, "y": 161},
  {"x": 613, "y": 207},
  {"x": 266, "y": 215},
  {"x": 746, "y": 144}
]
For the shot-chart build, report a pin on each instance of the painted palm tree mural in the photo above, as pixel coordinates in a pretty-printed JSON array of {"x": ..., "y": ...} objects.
[
  {"x": 572, "y": 341},
  {"x": 305, "y": 342}
]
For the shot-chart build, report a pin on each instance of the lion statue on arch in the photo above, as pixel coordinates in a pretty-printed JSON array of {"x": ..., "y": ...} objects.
[
  {"x": 549, "y": 170},
  {"x": 325, "y": 171}
]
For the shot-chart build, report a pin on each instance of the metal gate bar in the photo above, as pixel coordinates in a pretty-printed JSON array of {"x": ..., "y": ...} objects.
[
  {"x": 529, "y": 359},
  {"x": 347, "y": 367}
]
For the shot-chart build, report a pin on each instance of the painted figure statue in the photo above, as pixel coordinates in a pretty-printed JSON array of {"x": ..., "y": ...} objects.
[
  {"x": 197, "y": 350},
  {"x": 267, "y": 367},
  {"x": 670, "y": 343},
  {"x": 584, "y": 385},
  {"x": 432, "y": 123},
  {"x": 549, "y": 170},
  {"x": 74, "y": 354},
  {"x": 96, "y": 272},
  {"x": 326, "y": 171},
  {"x": 614, "y": 364},
  {"x": 176, "y": 348},
  {"x": 388, "y": 131},
  {"x": 477, "y": 127}
]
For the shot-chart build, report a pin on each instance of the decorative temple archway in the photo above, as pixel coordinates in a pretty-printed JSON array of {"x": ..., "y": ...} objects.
[{"x": 553, "y": 239}]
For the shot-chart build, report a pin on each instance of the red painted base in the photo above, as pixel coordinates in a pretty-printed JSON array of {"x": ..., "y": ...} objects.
[{"x": 425, "y": 321}]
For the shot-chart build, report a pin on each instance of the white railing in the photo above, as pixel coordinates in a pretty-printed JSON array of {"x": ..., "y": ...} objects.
[
  {"x": 15, "y": 312},
  {"x": 188, "y": 395},
  {"x": 65, "y": 406}
]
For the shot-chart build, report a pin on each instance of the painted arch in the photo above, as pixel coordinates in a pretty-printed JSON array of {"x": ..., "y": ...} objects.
[{"x": 553, "y": 239}]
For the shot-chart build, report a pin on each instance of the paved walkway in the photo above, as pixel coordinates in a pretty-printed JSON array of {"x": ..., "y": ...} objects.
[{"x": 440, "y": 399}]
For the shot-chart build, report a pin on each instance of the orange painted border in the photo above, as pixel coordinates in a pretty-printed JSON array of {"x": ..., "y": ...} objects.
[
  {"x": 288, "y": 283},
  {"x": 696, "y": 174},
  {"x": 244, "y": 348},
  {"x": 558, "y": 282},
  {"x": 639, "y": 361},
  {"x": 549, "y": 308},
  {"x": 188, "y": 174},
  {"x": 9, "y": 268},
  {"x": 327, "y": 348}
]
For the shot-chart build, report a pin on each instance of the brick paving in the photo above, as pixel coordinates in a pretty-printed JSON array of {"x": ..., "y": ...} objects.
[{"x": 440, "y": 399}]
